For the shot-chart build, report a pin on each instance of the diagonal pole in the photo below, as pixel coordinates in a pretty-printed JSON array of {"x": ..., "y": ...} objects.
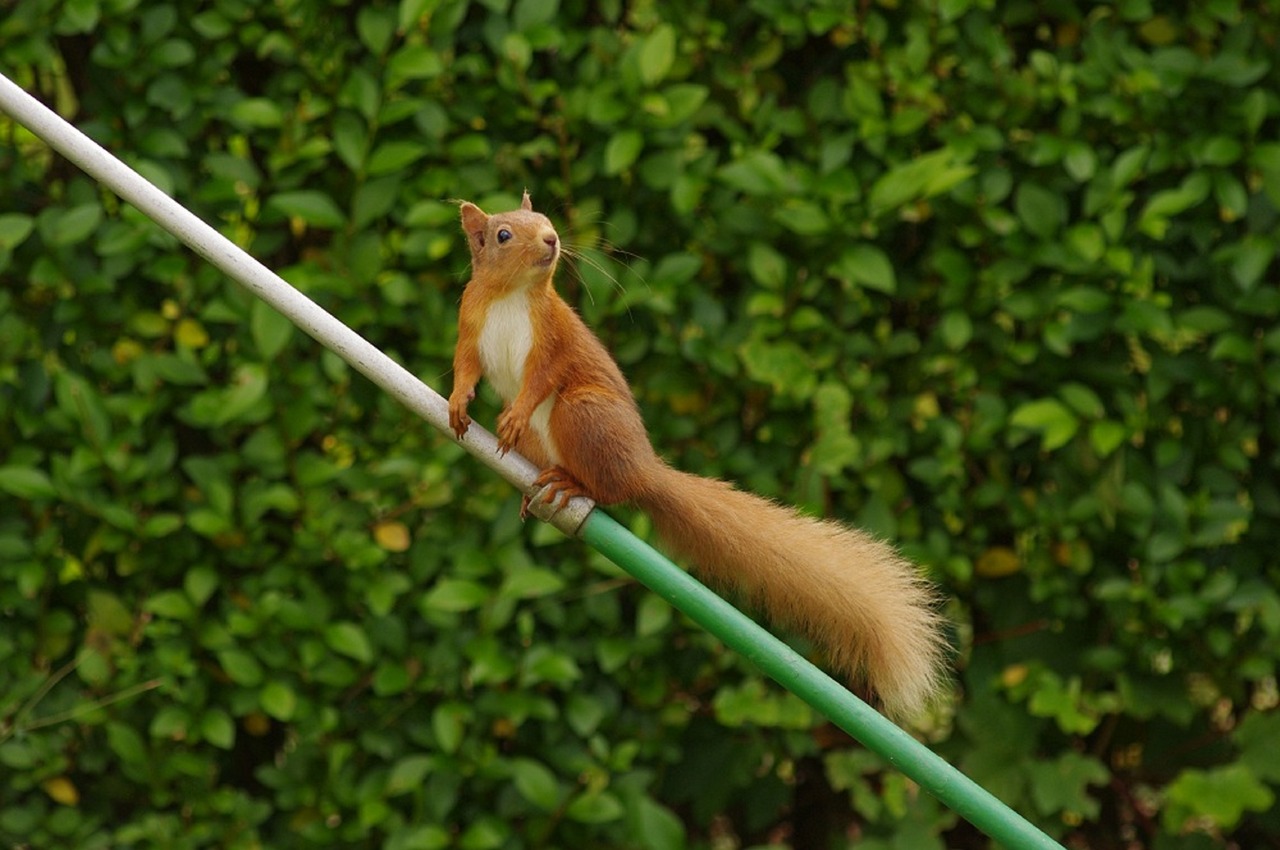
[{"x": 596, "y": 528}]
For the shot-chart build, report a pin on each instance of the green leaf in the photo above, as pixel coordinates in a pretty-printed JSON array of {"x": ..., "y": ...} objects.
[
  {"x": 1252, "y": 258},
  {"x": 408, "y": 774},
  {"x": 278, "y": 700},
  {"x": 545, "y": 664},
  {"x": 766, "y": 265},
  {"x": 1128, "y": 166},
  {"x": 487, "y": 833},
  {"x": 923, "y": 177},
  {"x": 1154, "y": 219},
  {"x": 803, "y": 217},
  {"x": 161, "y": 525},
  {"x": 683, "y": 100},
  {"x": 218, "y": 729},
  {"x": 585, "y": 713},
  {"x": 1080, "y": 162},
  {"x": 674, "y": 269},
  {"x": 622, "y": 150},
  {"x": 785, "y": 366},
  {"x": 867, "y": 265},
  {"x": 517, "y": 50},
  {"x": 414, "y": 13},
  {"x": 256, "y": 113},
  {"x": 1088, "y": 240},
  {"x": 73, "y": 225},
  {"x": 1065, "y": 702},
  {"x": 451, "y": 594},
  {"x": 221, "y": 405},
  {"x": 373, "y": 201},
  {"x": 350, "y": 140},
  {"x": 128, "y": 745},
  {"x": 1085, "y": 299},
  {"x": 836, "y": 448},
  {"x": 752, "y": 703},
  {"x": 1106, "y": 436},
  {"x": 413, "y": 62},
  {"x": 82, "y": 402},
  {"x": 375, "y": 28},
  {"x": 26, "y": 482},
  {"x": 657, "y": 54},
  {"x": 105, "y": 612},
  {"x": 956, "y": 329},
  {"x": 350, "y": 640},
  {"x": 171, "y": 604},
  {"x": 1256, "y": 737},
  {"x": 653, "y": 826},
  {"x": 1055, "y": 422},
  {"x": 449, "y": 725},
  {"x": 14, "y": 229},
  {"x": 1220, "y": 151},
  {"x": 1082, "y": 399},
  {"x": 270, "y": 329},
  {"x": 240, "y": 667},
  {"x": 594, "y": 807},
  {"x": 1221, "y": 795},
  {"x": 653, "y": 615},
  {"x": 1062, "y": 785},
  {"x": 536, "y": 784},
  {"x": 1235, "y": 69},
  {"x": 756, "y": 173},
  {"x": 200, "y": 582},
  {"x": 420, "y": 837},
  {"x": 309, "y": 205},
  {"x": 530, "y": 583},
  {"x": 534, "y": 13},
  {"x": 1042, "y": 211},
  {"x": 388, "y": 157}
]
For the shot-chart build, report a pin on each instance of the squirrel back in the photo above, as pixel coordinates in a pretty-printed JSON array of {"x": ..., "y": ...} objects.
[{"x": 570, "y": 411}]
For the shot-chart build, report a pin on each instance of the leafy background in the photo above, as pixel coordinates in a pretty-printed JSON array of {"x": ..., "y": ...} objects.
[{"x": 995, "y": 281}]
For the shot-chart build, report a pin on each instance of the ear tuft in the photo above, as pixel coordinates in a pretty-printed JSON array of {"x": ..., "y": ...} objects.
[
  {"x": 473, "y": 224},
  {"x": 526, "y": 203}
]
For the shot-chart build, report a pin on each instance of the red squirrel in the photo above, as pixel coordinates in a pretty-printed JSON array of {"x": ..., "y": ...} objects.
[{"x": 568, "y": 409}]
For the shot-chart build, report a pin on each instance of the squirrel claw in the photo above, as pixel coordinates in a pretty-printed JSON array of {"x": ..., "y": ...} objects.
[
  {"x": 459, "y": 421},
  {"x": 460, "y": 425},
  {"x": 554, "y": 487},
  {"x": 509, "y": 432},
  {"x": 559, "y": 487}
]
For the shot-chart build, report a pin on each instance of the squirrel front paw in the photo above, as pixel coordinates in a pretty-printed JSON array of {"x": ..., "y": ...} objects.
[
  {"x": 459, "y": 421},
  {"x": 510, "y": 430}
]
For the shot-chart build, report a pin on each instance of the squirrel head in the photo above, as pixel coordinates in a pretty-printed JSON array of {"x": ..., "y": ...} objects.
[{"x": 520, "y": 247}]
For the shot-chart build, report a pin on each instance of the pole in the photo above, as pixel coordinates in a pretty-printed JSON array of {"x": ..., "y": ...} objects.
[{"x": 596, "y": 528}]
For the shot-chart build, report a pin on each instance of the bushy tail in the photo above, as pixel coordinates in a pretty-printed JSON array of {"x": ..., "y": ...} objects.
[{"x": 866, "y": 607}]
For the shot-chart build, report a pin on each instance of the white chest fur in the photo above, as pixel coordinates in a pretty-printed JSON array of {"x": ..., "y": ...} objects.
[{"x": 505, "y": 341}]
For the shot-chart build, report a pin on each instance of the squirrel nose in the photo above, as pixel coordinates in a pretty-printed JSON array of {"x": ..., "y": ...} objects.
[{"x": 551, "y": 239}]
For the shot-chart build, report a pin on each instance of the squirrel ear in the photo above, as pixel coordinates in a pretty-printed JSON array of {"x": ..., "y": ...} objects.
[
  {"x": 525, "y": 202},
  {"x": 473, "y": 224}
]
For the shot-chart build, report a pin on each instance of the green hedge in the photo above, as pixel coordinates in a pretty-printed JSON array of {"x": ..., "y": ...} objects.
[{"x": 996, "y": 281}]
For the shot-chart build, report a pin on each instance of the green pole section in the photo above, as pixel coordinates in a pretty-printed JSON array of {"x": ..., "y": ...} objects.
[
  {"x": 742, "y": 634},
  {"x": 595, "y": 527}
]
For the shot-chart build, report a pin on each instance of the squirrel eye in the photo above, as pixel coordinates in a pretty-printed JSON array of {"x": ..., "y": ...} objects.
[{"x": 503, "y": 235}]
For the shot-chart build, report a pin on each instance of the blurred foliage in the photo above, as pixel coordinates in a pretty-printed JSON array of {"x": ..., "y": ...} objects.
[{"x": 996, "y": 281}]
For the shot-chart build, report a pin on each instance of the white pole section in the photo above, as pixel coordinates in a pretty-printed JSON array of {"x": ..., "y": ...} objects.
[{"x": 270, "y": 287}]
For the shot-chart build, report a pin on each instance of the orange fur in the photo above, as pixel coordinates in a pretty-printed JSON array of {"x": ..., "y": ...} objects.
[{"x": 869, "y": 609}]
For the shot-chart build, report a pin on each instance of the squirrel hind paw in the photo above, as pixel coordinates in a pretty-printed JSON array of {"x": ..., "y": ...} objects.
[{"x": 557, "y": 487}]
